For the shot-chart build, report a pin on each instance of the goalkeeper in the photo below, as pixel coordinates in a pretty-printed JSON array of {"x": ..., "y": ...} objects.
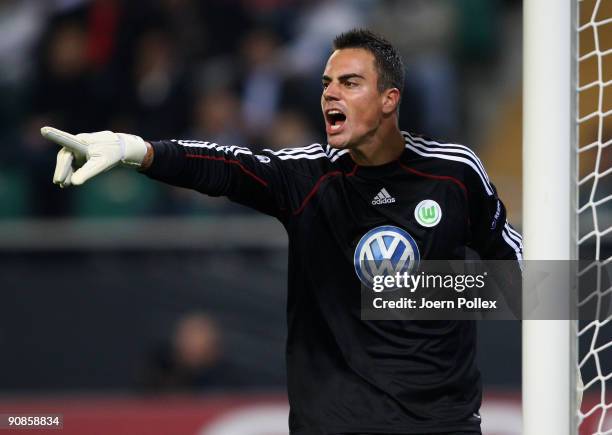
[{"x": 346, "y": 375}]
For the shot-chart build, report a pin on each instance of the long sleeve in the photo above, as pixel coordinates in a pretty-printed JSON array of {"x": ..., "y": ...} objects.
[
  {"x": 273, "y": 182},
  {"x": 257, "y": 181},
  {"x": 494, "y": 238},
  {"x": 492, "y": 235}
]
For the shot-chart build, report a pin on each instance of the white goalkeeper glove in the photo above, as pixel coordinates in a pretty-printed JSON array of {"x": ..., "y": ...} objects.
[{"x": 92, "y": 153}]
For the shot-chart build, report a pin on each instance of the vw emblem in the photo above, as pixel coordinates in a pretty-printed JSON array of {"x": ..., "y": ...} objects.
[{"x": 385, "y": 250}]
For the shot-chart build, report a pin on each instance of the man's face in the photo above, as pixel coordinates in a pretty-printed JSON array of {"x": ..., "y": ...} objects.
[{"x": 351, "y": 101}]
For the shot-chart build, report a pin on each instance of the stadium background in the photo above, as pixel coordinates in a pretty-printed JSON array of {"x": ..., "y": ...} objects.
[{"x": 106, "y": 287}]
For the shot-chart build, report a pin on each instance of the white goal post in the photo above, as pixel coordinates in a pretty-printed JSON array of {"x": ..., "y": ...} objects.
[
  {"x": 549, "y": 206},
  {"x": 567, "y": 204}
]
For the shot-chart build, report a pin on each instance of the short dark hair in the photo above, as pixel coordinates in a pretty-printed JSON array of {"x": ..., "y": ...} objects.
[{"x": 386, "y": 58}]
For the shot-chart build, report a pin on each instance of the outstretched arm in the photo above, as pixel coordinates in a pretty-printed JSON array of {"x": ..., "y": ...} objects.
[{"x": 257, "y": 181}]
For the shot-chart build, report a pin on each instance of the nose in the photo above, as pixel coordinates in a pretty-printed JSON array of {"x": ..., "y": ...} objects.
[{"x": 330, "y": 93}]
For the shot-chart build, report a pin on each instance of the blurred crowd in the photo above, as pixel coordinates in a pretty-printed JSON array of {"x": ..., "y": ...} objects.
[{"x": 239, "y": 72}]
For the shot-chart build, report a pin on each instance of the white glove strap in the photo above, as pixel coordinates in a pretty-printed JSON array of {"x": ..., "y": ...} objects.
[{"x": 133, "y": 149}]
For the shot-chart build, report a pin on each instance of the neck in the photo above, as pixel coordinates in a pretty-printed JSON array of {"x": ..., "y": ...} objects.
[{"x": 386, "y": 145}]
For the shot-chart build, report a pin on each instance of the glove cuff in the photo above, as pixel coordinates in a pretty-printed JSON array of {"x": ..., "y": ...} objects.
[{"x": 133, "y": 149}]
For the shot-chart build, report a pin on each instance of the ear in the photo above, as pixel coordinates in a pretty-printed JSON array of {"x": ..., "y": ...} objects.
[{"x": 391, "y": 99}]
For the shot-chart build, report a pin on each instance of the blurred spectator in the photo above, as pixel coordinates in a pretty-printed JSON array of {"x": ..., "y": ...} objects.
[
  {"x": 303, "y": 58},
  {"x": 317, "y": 25},
  {"x": 184, "y": 21},
  {"x": 64, "y": 89},
  {"x": 225, "y": 23},
  {"x": 159, "y": 101},
  {"x": 65, "y": 94},
  {"x": 192, "y": 360},
  {"x": 278, "y": 15},
  {"x": 290, "y": 129},
  {"x": 21, "y": 22},
  {"x": 424, "y": 32},
  {"x": 217, "y": 118},
  {"x": 261, "y": 82}
]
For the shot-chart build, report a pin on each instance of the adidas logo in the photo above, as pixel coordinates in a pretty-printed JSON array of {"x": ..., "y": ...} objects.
[{"x": 383, "y": 197}]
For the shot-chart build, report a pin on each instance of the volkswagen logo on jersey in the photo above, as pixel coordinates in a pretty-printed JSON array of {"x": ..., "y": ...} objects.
[{"x": 385, "y": 250}]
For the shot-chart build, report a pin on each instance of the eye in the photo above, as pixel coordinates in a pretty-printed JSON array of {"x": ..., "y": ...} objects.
[
  {"x": 325, "y": 85},
  {"x": 350, "y": 84}
]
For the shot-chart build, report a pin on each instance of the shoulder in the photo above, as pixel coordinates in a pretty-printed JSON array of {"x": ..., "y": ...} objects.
[
  {"x": 314, "y": 151},
  {"x": 308, "y": 160},
  {"x": 456, "y": 159}
]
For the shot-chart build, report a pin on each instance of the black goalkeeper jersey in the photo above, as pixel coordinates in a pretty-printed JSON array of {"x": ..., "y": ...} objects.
[{"x": 347, "y": 375}]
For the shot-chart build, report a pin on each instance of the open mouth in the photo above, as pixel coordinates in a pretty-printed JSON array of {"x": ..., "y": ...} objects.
[{"x": 335, "y": 120}]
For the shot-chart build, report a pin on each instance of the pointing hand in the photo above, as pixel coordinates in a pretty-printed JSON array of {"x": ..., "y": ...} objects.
[{"x": 88, "y": 154}]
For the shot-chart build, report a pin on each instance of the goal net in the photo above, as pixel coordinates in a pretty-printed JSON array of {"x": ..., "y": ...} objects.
[
  {"x": 567, "y": 204},
  {"x": 594, "y": 173}
]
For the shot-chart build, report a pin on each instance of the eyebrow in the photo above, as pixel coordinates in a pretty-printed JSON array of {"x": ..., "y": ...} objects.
[{"x": 343, "y": 77}]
